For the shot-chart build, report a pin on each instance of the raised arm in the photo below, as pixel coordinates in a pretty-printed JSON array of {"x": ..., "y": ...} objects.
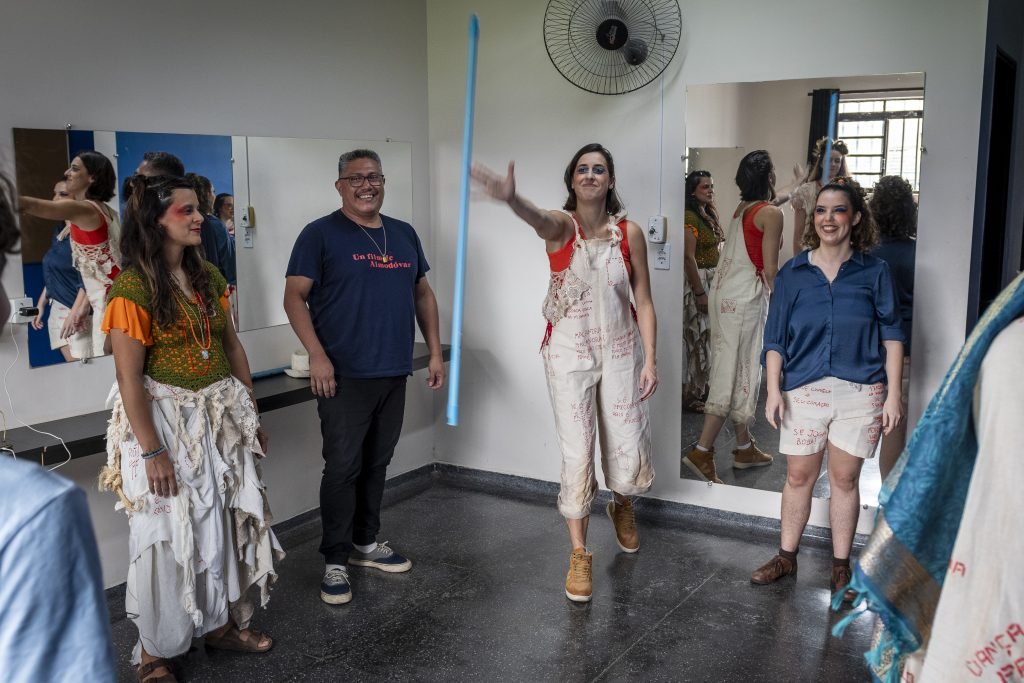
[
  {"x": 552, "y": 226},
  {"x": 83, "y": 214}
]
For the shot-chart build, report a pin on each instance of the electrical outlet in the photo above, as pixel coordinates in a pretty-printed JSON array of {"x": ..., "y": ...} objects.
[
  {"x": 656, "y": 229},
  {"x": 663, "y": 257},
  {"x": 247, "y": 238},
  {"x": 19, "y": 303}
]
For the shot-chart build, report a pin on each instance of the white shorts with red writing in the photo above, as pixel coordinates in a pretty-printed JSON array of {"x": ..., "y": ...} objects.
[{"x": 845, "y": 414}]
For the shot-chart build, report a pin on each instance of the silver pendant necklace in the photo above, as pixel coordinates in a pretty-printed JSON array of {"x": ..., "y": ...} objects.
[{"x": 383, "y": 252}]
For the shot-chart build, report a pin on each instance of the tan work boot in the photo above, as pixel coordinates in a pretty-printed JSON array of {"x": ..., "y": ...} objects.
[
  {"x": 702, "y": 463},
  {"x": 751, "y": 456},
  {"x": 579, "y": 584},
  {"x": 624, "y": 522}
]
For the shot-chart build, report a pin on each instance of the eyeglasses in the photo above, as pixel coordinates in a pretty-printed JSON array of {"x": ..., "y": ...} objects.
[{"x": 375, "y": 179}]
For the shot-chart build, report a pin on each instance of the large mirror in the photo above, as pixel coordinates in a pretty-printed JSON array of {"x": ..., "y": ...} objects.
[
  {"x": 261, "y": 193},
  {"x": 879, "y": 122}
]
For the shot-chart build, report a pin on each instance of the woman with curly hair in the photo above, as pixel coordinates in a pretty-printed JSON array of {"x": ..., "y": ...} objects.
[
  {"x": 184, "y": 440},
  {"x": 803, "y": 197},
  {"x": 702, "y": 240},
  {"x": 895, "y": 212},
  {"x": 9, "y": 237},
  {"x": 93, "y": 228},
  {"x": 739, "y": 302},
  {"x": 833, "y": 353}
]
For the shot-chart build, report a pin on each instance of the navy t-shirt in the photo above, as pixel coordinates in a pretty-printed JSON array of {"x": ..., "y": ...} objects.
[
  {"x": 60, "y": 276},
  {"x": 218, "y": 247},
  {"x": 363, "y": 308}
]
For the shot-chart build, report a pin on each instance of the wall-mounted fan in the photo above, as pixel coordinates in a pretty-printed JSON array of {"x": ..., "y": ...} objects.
[{"x": 610, "y": 47}]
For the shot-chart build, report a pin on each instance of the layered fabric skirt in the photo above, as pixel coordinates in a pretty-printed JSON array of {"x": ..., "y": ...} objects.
[
  {"x": 193, "y": 557},
  {"x": 697, "y": 342}
]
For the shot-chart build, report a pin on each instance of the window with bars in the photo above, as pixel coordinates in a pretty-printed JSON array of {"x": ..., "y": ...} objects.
[{"x": 883, "y": 136}]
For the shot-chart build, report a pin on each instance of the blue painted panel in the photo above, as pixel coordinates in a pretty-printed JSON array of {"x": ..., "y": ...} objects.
[
  {"x": 80, "y": 141},
  {"x": 208, "y": 155},
  {"x": 39, "y": 351}
]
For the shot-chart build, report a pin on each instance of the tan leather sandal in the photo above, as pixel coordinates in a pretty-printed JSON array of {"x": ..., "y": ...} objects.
[
  {"x": 144, "y": 674},
  {"x": 233, "y": 641}
]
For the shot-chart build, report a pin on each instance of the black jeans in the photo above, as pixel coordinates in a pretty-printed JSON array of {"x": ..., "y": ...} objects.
[{"x": 360, "y": 426}]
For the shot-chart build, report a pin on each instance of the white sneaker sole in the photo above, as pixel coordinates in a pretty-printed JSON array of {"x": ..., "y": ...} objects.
[
  {"x": 389, "y": 568},
  {"x": 578, "y": 598},
  {"x": 336, "y": 599},
  {"x": 608, "y": 510}
]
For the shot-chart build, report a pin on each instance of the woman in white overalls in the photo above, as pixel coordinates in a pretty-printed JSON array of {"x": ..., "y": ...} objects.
[{"x": 599, "y": 348}]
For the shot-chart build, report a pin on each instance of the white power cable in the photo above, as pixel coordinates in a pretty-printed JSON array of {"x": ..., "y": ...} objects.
[{"x": 14, "y": 413}]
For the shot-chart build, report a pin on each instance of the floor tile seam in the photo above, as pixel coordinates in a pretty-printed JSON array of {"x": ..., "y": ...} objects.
[{"x": 651, "y": 630}]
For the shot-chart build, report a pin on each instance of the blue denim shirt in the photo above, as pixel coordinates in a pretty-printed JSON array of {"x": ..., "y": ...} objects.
[{"x": 832, "y": 330}]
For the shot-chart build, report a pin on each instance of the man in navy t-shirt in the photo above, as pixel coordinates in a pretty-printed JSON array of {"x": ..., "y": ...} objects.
[{"x": 356, "y": 285}]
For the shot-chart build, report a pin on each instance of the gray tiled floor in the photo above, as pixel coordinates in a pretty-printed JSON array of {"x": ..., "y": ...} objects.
[{"x": 484, "y": 601}]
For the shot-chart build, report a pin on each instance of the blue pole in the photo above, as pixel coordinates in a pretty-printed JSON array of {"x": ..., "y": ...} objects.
[
  {"x": 460, "y": 256},
  {"x": 826, "y": 161}
]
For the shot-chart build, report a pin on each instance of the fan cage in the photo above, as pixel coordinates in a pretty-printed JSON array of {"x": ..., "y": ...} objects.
[{"x": 570, "y": 36}]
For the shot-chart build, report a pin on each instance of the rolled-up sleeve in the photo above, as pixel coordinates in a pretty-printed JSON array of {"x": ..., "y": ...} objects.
[
  {"x": 886, "y": 308},
  {"x": 777, "y": 325}
]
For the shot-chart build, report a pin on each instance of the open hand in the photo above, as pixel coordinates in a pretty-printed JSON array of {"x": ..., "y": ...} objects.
[{"x": 497, "y": 187}]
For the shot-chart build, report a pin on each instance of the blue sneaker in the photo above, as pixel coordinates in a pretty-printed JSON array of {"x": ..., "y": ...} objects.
[
  {"x": 334, "y": 589},
  {"x": 382, "y": 557}
]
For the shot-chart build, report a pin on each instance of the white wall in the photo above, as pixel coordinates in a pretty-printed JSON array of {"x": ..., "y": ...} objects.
[
  {"x": 526, "y": 110},
  {"x": 335, "y": 69}
]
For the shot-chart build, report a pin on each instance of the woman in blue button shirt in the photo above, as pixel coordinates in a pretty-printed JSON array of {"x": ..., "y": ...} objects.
[{"x": 832, "y": 345}]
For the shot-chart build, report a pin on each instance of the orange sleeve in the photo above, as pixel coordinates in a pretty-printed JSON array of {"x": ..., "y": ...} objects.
[
  {"x": 224, "y": 300},
  {"x": 693, "y": 229},
  {"x": 127, "y": 316}
]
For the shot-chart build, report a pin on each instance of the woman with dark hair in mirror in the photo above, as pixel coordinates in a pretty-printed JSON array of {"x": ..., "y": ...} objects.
[
  {"x": 184, "y": 440},
  {"x": 9, "y": 237},
  {"x": 803, "y": 197},
  {"x": 64, "y": 292},
  {"x": 702, "y": 243},
  {"x": 895, "y": 212},
  {"x": 224, "y": 209},
  {"x": 93, "y": 229},
  {"x": 738, "y": 303},
  {"x": 599, "y": 351},
  {"x": 833, "y": 353}
]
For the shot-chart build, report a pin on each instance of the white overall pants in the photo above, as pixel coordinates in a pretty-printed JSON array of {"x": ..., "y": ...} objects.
[
  {"x": 738, "y": 307},
  {"x": 593, "y": 360}
]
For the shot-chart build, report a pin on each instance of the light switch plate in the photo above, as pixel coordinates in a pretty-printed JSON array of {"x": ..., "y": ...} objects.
[{"x": 656, "y": 229}]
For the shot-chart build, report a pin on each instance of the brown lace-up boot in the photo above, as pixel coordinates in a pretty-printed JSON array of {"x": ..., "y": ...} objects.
[
  {"x": 840, "y": 579},
  {"x": 622, "y": 518},
  {"x": 702, "y": 463},
  {"x": 751, "y": 456},
  {"x": 579, "y": 584}
]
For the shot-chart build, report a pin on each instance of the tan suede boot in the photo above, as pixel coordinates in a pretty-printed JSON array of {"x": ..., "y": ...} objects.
[
  {"x": 579, "y": 584},
  {"x": 702, "y": 463},
  {"x": 751, "y": 456},
  {"x": 624, "y": 522}
]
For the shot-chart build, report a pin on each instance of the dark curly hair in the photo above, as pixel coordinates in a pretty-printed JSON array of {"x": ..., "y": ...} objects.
[
  {"x": 203, "y": 187},
  {"x": 612, "y": 202},
  {"x": 863, "y": 233},
  {"x": 754, "y": 176},
  {"x": 814, "y": 171},
  {"x": 99, "y": 168},
  {"x": 142, "y": 247},
  {"x": 708, "y": 212},
  {"x": 893, "y": 208}
]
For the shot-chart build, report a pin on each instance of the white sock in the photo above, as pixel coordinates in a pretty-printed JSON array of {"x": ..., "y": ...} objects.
[
  {"x": 335, "y": 566},
  {"x": 701, "y": 448},
  {"x": 365, "y": 548},
  {"x": 743, "y": 447}
]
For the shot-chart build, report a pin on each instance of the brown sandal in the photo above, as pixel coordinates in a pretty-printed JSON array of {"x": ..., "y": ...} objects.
[
  {"x": 233, "y": 641},
  {"x": 147, "y": 669}
]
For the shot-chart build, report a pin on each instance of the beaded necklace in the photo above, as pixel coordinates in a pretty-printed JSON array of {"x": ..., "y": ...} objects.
[{"x": 204, "y": 339}]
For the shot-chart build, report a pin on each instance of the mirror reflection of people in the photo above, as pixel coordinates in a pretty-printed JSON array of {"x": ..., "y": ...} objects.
[
  {"x": 156, "y": 163},
  {"x": 93, "y": 229},
  {"x": 803, "y": 197},
  {"x": 833, "y": 353},
  {"x": 738, "y": 302},
  {"x": 895, "y": 212},
  {"x": 224, "y": 209},
  {"x": 64, "y": 292},
  {"x": 54, "y": 622},
  {"x": 183, "y": 440},
  {"x": 600, "y": 360},
  {"x": 217, "y": 244},
  {"x": 702, "y": 240},
  {"x": 356, "y": 285}
]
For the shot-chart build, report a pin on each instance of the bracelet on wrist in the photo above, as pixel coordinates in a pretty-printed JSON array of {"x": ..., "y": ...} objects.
[{"x": 153, "y": 453}]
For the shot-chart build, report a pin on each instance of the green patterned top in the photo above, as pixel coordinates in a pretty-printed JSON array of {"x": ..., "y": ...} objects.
[
  {"x": 708, "y": 243},
  {"x": 174, "y": 355}
]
